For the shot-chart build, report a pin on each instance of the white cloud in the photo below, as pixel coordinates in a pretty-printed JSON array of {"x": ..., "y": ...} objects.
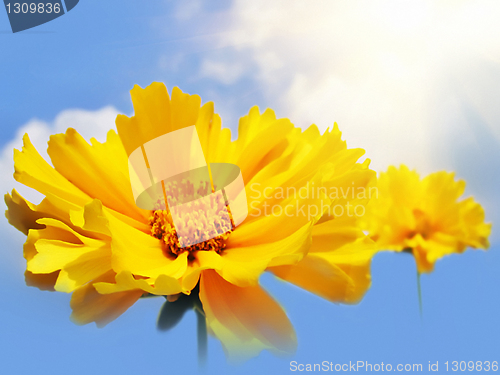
[
  {"x": 188, "y": 9},
  {"x": 227, "y": 73},
  {"x": 90, "y": 124},
  {"x": 388, "y": 71}
]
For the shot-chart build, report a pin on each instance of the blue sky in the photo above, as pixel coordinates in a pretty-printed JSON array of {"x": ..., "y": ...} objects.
[{"x": 409, "y": 83}]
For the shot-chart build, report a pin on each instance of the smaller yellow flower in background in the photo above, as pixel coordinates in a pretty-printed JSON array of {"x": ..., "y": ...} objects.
[{"x": 424, "y": 216}]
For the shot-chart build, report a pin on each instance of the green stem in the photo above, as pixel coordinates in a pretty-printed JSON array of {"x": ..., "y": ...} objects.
[{"x": 202, "y": 338}]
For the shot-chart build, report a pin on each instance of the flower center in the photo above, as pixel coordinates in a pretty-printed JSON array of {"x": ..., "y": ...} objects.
[
  {"x": 423, "y": 225},
  {"x": 203, "y": 227}
]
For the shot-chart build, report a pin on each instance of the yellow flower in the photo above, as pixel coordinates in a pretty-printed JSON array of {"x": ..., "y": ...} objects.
[
  {"x": 424, "y": 216},
  {"x": 88, "y": 237}
]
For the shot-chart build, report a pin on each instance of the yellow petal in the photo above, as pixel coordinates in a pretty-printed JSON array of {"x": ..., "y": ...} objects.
[
  {"x": 203, "y": 260},
  {"x": 141, "y": 253},
  {"x": 441, "y": 194},
  {"x": 318, "y": 276},
  {"x": 246, "y": 320},
  {"x": 428, "y": 251},
  {"x": 156, "y": 114},
  {"x": 339, "y": 275},
  {"x": 91, "y": 218},
  {"x": 152, "y": 116},
  {"x": 33, "y": 171},
  {"x": 85, "y": 268},
  {"x": 316, "y": 150},
  {"x": 300, "y": 145},
  {"x": 243, "y": 265},
  {"x": 90, "y": 306},
  {"x": 185, "y": 109},
  {"x": 476, "y": 231},
  {"x": 99, "y": 170},
  {"x": 21, "y": 213},
  {"x": 250, "y": 125},
  {"x": 423, "y": 265},
  {"x": 265, "y": 146},
  {"x": 333, "y": 234},
  {"x": 58, "y": 247},
  {"x": 402, "y": 184},
  {"x": 276, "y": 218},
  {"x": 215, "y": 141},
  {"x": 315, "y": 164},
  {"x": 125, "y": 281},
  {"x": 43, "y": 281},
  {"x": 47, "y": 233}
]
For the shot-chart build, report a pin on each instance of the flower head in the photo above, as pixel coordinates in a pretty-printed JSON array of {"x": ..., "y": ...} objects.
[
  {"x": 424, "y": 216},
  {"x": 88, "y": 237}
]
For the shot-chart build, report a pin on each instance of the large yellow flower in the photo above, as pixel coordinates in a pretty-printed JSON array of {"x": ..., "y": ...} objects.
[
  {"x": 88, "y": 237},
  {"x": 424, "y": 216}
]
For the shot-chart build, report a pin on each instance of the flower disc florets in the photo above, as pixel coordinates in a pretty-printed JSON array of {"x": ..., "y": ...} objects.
[{"x": 207, "y": 217}]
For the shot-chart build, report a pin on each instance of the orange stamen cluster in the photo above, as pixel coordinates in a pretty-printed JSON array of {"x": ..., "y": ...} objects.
[{"x": 204, "y": 221}]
